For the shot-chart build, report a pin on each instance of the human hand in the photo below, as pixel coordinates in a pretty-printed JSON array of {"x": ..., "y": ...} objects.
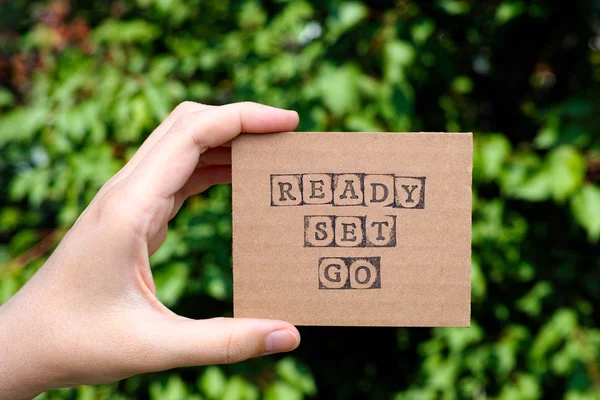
[{"x": 90, "y": 315}]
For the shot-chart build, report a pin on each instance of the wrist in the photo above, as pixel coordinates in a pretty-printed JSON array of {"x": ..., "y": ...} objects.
[{"x": 22, "y": 371}]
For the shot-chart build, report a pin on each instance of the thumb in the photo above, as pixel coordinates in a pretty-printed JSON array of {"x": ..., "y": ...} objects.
[{"x": 190, "y": 342}]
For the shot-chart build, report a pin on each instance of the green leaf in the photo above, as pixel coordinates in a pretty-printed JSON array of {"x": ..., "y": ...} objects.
[
  {"x": 509, "y": 10},
  {"x": 202, "y": 231},
  {"x": 239, "y": 389},
  {"x": 397, "y": 56},
  {"x": 40, "y": 36},
  {"x": 87, "y": 393},
  {"x": 156, "y": 101},
  {"x": 349, "y": 15},
  {"x": 566, "y": 171},
  {"x": 531, "y": 303},
  {"x": 458, "y": 339},
  {"x": 132, "y": 31},
  {"x": 422, "y": 30},
  {"x": 526, "y": 178},
  {"x": 478, "y": 284},
  {"x": 199, "y": 91},
  {"x": 454, "y": 7},
  {"x": 175, "y": 389},
  {"x": 297, "y": 375},
  {"x": 462, "y": 84},
  {"x": 338, "y": 87},
  {"x": 549, "y": 132},
  {"x": 251, "y": 15},
  {"x": 490, "y": 153},
  {"x": 364, "y": 123},
  {"x": 559, "y": 327},
  {"x": 20, "y": 125},
  {"x": 217, "y": 286},
  {"x": 6, "y": 97},
  {"x": 213, "y": 382},
  {"x": 522, "y": 386},
  {"x": 535, "y": 188},
  {"x": 8, "y": 287},
  {"x": 585, "y": 206},
  {"x": 172, "y": 246},
  {"x": 282, "y": 391},
  {"x": 171, "y": 282}
]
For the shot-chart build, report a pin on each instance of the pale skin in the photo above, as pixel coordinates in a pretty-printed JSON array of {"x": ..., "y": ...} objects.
[{"x": 90, "y": 315}]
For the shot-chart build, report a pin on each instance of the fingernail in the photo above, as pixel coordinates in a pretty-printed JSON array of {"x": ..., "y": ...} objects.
[{"x": 283, "y": 340}]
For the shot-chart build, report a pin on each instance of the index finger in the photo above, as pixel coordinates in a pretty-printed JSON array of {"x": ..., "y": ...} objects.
[{"x": 170, "y": 163}]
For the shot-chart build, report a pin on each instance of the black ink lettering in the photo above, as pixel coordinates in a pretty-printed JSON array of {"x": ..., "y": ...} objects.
[
  {"x": 385, "y": 193},
  {"x": 349, "y": 187},
  {"x": 379, "y": 229},
  {"x": 410, "y": 192},
  {"x": 314, "y": 189},
  {"x": 349, "y": 231},
  {"x": 326, "y": 188},
  {"x": 338, "y": 277},
  {"x": 287, "y": 190},
  {"x": 346, "y": 272},
  {"x": 368, "y": 274},
  {"x": 320, "y": 228}
]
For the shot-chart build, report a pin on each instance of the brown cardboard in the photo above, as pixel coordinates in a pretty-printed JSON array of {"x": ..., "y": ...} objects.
[{"x": 318, "y": 240}]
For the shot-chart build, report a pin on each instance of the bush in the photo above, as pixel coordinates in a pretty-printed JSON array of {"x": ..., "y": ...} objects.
[{"x": 84, "y": 82}]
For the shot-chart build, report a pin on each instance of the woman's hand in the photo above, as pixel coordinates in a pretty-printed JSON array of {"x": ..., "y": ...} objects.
[{"x": 90, "y": 315}]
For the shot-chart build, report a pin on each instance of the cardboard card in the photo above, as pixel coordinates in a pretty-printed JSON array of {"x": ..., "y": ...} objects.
[{"x": 353, "y": 229}]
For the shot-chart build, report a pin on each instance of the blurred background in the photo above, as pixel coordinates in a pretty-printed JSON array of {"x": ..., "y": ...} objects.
[{"x": 82, "y": 83}]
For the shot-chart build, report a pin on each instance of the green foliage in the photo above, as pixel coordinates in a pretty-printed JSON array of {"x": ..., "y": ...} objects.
[
  {"x": 81, "y": 89},
  {"x": 586, "y": 208}
]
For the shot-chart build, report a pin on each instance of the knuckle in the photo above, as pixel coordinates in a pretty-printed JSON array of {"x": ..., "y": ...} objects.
[
  {"x": 183, "y": 121},
  {"x": 110, "y": 201},
  {"x": 118, "y": 207},
  {"x": 234, "y": 351},
  {"x": 109, "y": 206},
  {"x": 105, "y": 204},
  {"x": 184, "y": 124},
  {"x": 186, "y": 107}
]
